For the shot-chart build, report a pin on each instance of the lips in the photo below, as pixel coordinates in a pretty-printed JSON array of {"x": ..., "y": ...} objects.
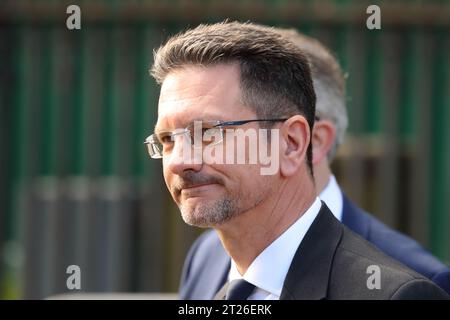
[
  {"x": 196, "y": 186},
  {"x": 195, "y": 190},
  {"x": 193, "y": 182}
]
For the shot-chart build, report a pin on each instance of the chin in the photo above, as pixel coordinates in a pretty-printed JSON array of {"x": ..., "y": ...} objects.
[
  {"x": 196, "y": 221},
  {"x": 207, "y": 215}
]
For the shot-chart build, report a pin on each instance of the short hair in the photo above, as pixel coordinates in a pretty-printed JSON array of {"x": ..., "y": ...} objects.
[
  {"x": 275, "y": 77},
  {"x": 329, "y": 83}
]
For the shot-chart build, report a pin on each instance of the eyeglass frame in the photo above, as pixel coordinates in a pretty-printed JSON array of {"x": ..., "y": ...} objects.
[{"x": 172, "y": 134}]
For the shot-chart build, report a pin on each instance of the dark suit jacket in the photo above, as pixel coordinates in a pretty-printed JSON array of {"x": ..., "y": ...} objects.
[{"x": 343, "y": 253}]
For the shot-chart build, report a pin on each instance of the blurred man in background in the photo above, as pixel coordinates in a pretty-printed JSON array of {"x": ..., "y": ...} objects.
[{"x": 207, "y": 265}]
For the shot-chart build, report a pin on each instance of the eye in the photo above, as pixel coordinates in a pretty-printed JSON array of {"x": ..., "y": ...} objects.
[{"x": 165, "y": 138}]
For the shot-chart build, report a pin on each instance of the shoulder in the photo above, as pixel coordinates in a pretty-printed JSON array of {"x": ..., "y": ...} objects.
[
  {"x": 395, "y": 244},
  {"x": 374, "y": 275},
  {"x": 419, "y": 289}
]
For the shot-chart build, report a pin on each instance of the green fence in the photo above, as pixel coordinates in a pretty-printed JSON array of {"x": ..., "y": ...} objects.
[{"x": 78, "y": 188}]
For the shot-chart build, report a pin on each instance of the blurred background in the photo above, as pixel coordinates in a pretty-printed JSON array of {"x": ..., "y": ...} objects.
[{"x": 77, "y": 186}]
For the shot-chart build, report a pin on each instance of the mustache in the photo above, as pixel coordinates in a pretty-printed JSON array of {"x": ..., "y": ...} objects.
[{"x": 191, "y": 178}]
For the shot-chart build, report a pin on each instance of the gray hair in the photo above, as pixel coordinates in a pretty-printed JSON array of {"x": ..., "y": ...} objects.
[
  {"x": 329, "y": 84},
  {"x": 331, "y": 105}
]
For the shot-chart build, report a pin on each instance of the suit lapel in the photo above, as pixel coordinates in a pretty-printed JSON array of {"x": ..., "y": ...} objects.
[{"x": 308, "y": 275}]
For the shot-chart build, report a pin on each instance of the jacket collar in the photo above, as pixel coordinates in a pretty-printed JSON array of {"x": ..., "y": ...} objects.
[{"x": 309, "y": 273}]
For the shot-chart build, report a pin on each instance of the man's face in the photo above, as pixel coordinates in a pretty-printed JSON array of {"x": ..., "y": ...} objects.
[{"x": 207, "y": 194}]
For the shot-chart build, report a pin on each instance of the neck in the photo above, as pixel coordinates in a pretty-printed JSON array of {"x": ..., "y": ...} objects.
[
  {"x": 322, "y": 174},
  {"x": 245, "y": 236}
]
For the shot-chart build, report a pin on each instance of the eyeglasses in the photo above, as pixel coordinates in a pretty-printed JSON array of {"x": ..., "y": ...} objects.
[{"x": 161, "y": 142}]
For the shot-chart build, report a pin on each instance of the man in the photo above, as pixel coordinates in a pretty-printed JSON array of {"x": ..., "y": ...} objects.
[
  {"x": 283, "y": 242},
  {"x": 207, "y": 264}
]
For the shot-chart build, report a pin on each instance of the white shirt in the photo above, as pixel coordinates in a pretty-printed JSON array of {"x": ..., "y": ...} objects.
[
  {"x": 332, "y": 196},
  {"x": 269, "y": 269}
]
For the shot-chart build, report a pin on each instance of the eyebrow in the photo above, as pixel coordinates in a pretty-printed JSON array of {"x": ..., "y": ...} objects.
[{"x": 206, "y": 118}]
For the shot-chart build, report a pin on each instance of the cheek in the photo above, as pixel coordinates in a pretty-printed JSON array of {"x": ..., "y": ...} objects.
[
  {"x": 243, "y": 178},
  {"x": 167, "y": 177}
]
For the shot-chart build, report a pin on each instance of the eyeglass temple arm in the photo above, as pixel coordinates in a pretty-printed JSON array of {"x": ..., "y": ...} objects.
[{"x": 240, "y": 122}]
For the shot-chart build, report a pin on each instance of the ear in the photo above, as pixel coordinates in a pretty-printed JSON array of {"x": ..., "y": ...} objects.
[
  {"x": 295, "y": 135},
  {"x": 324, "y": 133}
]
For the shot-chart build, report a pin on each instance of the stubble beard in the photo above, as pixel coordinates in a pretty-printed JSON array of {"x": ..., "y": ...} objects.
[{"x": 210, "y": 214}]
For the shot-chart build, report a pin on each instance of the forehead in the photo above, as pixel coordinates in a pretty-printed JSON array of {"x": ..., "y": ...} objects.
[{"x": 198, "y": 92}]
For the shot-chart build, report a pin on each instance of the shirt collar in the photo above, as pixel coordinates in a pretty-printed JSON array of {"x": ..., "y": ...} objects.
[
  {"x": 271, "y": 266},
  {"x": 332, "y": 196}
]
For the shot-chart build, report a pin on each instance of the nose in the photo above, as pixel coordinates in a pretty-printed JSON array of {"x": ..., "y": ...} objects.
[{"x": 183, "y": 156}]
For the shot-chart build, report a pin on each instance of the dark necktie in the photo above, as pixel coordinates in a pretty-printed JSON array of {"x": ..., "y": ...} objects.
[{"x": 239, "y": 290}]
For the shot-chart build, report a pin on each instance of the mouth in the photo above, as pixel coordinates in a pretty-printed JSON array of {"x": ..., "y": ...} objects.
[
  {"x": 197, "y": 186},
  {"x": 197, "y": 189}
]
